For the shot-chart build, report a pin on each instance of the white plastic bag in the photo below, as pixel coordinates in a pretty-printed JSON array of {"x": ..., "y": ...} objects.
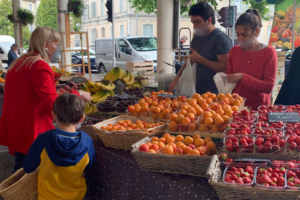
[
  {"x": 186, "y": 83},
  {"x": 222, "y": 83}
]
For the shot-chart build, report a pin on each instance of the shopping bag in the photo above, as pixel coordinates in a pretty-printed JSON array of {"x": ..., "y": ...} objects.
[
  {"x": 20, "y": 186},
  {"x": 222, "y": 83},
  {"x": 186, "y": 83}
]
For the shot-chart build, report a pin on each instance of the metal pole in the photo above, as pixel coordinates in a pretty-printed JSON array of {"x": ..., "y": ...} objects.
[
  {"x": 233, "y": 25},
  {"x": 17, "y": 26},
  {"x": 113, "y": 34},
  {"x": 293, "y": 26}
]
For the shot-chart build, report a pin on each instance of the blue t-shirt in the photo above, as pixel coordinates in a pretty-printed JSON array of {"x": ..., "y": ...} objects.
[{"x": 216, "y": 43}]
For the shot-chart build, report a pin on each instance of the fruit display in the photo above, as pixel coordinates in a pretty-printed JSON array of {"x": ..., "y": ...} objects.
[
  {"x": 101, "y": 96},
  {"x": 285, "y": 164},
  {"x": 128, "y": 78},
  {"x": 243, "y": 176},
  {"x": 90, "y": 122},
  {"x": 295, "y": 108},
  {"x": 268, "y": 177},
  {"x": 90, "y": 108},
  {"x": 293, "y": 143},
  {"x": 270, "y": 144},
  {"x": 244, "y": 118},
  {"x": 170, "y": 144},
  {"x": 244, "y": 112},
  {"x": 292, "y": 125},
  {"x": 293, "y": 179},
  {"x": 114, "y": 74},
  {"x": 264, "y": 124},
  {"x": 268, "y": 131},
  {"x": 238, "y": 131},
  {"x": 239, "y": 143},
  {"x": 263, "y": 117},
  {"x": 292, "y": 131},
  {"x": 240, "y": 125},
  {"x": 107, "y": 106},
  {"x": 269, "y": 108},
  {"x": 65, "y": 89},
  {"x": 244, "y": 162},
  {"x": 123, "y": 125}
]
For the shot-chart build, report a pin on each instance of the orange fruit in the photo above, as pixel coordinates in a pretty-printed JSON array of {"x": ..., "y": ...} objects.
[
  {"x": 209, "y": 121},
  {"x": 226, "y": 119},
  {"x": 161, "y": 145},
  {"x": 201, "y": 101},
  {"x": 191, "y": 110},
  {"x": 199, "y": 142},
  {"x": 183, "y": 112},
  {"x": 145, "y": 108},
  {"x": 170, "y": 140},
  {"x": 207, "y": 114},
  {"x": 130, "y": 108},
  {"x": 188, "y": 140},
  {"x": 179, "y": 138},
  {"x": 204, "y": 96},
  {"x": 186, "y": 121},
  {"x": 205, "y": 105},
  {"x": 154, "y": 139},
  {"x": 184, "y": 107},
  {"x": 192, "y": 127},
  {"x": 168, "y": 150},
  {"x": 235, "y": 108},
  {"x": 155, "y": 142},
  {"x": 209, "y": 100},
  {"x": 203, "y": 128},
  {"x": 173, "y": 145},
  {"x": 195, "y": 152},
  {"x": 211, "y": 145},
  {"x": 212, "y": 96},
  {"x": 220, "y": 96},
  {"x": 206, "y": 140},
  {"x": 237, "y": 103},
  {"x": 228, "y": 95},
  {"x": 173, "y": 126},
  {"x": 229, "y": 113},
  {"x": 215, "y": 128},
  {"x": 181, "y": 146},
  {"x": 196, "y": 95},
  {"x": 166, "y": 136},
  {"x": 196, "y": 136},
  {"x": 187, "y": 150},
  {"x": 219, "y": 120},
  {"x": 173, "y": 117},
  {"x": 220, "y": 112},
  {"x": 151, "y": 151},
  {"x": 179, "y": 143},
  {"x": 163, "y": 140}
]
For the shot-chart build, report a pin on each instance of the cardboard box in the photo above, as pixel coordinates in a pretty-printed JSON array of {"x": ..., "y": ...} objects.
[{"x": 280, "y": 75}]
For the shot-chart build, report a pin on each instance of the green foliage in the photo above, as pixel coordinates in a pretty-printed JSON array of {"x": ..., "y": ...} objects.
[
  {"x": 76, "y": 21},
  {"x": 150, "y": 6},
  {"x": 25, "y": 16},
  {"x": 262, "y": 7},
  {"x": 47, "y": 14},
  {"x": 6, "y": 27}
]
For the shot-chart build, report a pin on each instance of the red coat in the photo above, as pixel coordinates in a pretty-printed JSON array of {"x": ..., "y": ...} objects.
[
  {"x": 259, "y": 74},
  {"x": 28, "y": 102}
]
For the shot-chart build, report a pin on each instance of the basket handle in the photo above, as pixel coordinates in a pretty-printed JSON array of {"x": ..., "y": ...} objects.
[{"x": 137, "y": 144}]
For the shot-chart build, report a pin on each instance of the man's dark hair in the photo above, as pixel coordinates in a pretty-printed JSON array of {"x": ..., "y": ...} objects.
[
  {"x": 204, "y": 10},
  {"x": 69, "y": 108}
]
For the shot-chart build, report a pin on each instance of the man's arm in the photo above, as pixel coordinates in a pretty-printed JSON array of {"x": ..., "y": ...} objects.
[{"x": 217, "y": 66}]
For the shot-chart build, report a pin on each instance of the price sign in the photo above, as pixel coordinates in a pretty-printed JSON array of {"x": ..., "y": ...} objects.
[
  {"x": 120, "y": 86},
  {"x": 284, "y": 117},
  {"x": 167, "y": 96}
]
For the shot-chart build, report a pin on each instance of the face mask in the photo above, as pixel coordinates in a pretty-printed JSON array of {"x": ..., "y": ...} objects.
[
  {"x": 55, "y": 55},
  {"x": 247, "y": 43},
  {"x": 200, "y": 32}
]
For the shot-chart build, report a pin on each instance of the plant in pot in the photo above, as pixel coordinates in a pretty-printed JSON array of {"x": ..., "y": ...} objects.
[
  {"x": 76, "y": 7},
  {"x": 25, "y": 17}
]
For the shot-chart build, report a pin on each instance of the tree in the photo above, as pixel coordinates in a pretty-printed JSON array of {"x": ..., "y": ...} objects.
[
  {"x": 76, "y": 22},
  {"x": 47, "y": 14},
  {"x": 262, "y": 7}
]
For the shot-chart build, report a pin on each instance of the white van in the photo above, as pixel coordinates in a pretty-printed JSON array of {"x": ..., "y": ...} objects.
[
  {"x": 5, "y": 44},
  {"x": 128, "y": 49}
]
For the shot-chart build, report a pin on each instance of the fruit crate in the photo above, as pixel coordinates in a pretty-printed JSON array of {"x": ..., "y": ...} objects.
[
  {"x": 87, "y": 126},
  {"x": 193, "y": 165},
  {"x": 227, "y": 191},
  {"x": 124, "y": 139},
  {"x": 147, "y": 67}
]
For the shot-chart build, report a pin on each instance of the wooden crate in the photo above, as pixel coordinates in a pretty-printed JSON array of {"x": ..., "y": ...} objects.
[
  {"x": 146, "y": 67},
  {"x": 281, "y": 53}
]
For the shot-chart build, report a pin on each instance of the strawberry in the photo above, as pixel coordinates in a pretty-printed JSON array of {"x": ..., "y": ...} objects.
[
  {"x": 290, "y": 174},
  {"x": 239, "y": 180},
  {"x": 269, "y": 169},
  {"x": 265, "y": 179},
  {"x": 247, "y": 180},
  {"x": 280, "y": 179},
  {"x": 282, "y": 170},
  {"x": 223, "y": 156},
  {"x": 233, "y": 177},
  {"x": 228, "y": 179},
  {"x": 289, "y": 183},
  {"x": 249, "y": 169}
]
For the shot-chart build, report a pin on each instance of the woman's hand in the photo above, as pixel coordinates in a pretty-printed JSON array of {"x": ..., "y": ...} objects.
[{"x": 235, "y": 78}]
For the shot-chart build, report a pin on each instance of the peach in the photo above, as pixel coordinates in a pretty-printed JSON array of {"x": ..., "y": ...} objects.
[
  {"x": 166, "y": 135},
  {"x": 161, "y": 145},
  {"x": 186, "y": 121},
  {"x": 178, "y": 151},
  {"x": 179, "y": 138},
  {"x": 188, "y": 140},
  {"x": 192, "y": 127},
  {"x": 192, "y": 146},
  {"x": 182, "y": 146},
  {"x": 202, "y": 150},
  {"x": 178, "y": 143},
  {"x": 155, "y": 142},
  {"x": 154, "y": 147},
  {"x": 199, "y": 142},
  {"x": 195, "y": 152},
  {"x": 130, "y": 108},
  {"x": 170, "y": 139},
  {"x": 168, "y": 150},
  {"x": 151, "y": 151},
  {"x": 196, "y": 136},
  {"x": 144, "y": 147},
  {"x": 187, "y": 150}
]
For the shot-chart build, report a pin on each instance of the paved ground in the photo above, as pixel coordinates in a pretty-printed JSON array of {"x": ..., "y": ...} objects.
[{"x": 6, "y": 160}]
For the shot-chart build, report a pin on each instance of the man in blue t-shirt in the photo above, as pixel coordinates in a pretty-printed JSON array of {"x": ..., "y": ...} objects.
[{"x": 209, "y": 49}]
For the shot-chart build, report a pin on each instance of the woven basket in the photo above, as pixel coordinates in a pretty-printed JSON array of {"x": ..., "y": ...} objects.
[
  {"x": 20, "y": 186},
  {"x": 174, "y": 164},
  {"x": 231, "y": 192},
  {"x": 124, "y": 139}
]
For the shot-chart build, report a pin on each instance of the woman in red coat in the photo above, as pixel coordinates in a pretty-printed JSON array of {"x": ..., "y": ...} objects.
[
  {"x": 252, "y": 65},
  {"x": 29, "y": 95}
]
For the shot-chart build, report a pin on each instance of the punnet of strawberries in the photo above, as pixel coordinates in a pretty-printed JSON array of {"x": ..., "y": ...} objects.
[
  {"x": 270, "y": 144},
  {"x": 292, "y": 125},
  {"x": 293, "y": 142},
  {"x": 246, "y": 118},
  {"x": 271, "y": 107},
  {"x": 268, "y": 131},
  {"x": 284, "y": 163},
  {"x": 292, "y": 131},
  {"x": 240, "y": 125},
  {"x": 293, "y": 179},
  {"x": 270, "y": 177},
  {"x": 238, "y": 131},
  {"x": 265, "y": 124},
  {"x": 240, "y": 176},
  {"x": 239, "y": 143}
]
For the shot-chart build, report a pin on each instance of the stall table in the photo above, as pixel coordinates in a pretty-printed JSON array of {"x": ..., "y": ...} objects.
[{"x": 118, "y": 176}]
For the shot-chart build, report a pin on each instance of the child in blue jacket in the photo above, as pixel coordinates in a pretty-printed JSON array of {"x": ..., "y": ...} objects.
[{"x": 63, "y": 155}]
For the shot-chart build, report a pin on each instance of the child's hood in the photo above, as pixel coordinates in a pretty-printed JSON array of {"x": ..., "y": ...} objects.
[{"x": 65, "y": 148}]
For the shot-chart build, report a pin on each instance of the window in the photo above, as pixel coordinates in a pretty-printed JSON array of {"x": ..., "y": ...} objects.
[
  {"x": 30, "y": 7},
  {"x": 93, "y": 10},
  {"x": 122, "y": 31},
  {"x": 102, "y": 32},
  {"x": 147, "y": 30},
  {"x": 111, "y": 32},
  {"x": 121, "y": 6},
  {"x": 143, "y": 43},
  {"x": 94, "y": 35},
  {"x": 123, "y": 45},
  {"x": 102, "y": 8},
  {"x": 86, "y": 12}
]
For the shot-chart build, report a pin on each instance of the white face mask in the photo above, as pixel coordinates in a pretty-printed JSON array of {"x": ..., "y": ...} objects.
[
  {"x": 200, "y": 32},
  {"x": 247, "y": 43}
]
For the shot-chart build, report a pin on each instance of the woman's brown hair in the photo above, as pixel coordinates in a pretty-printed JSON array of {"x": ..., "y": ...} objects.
[{"x": 250, "y": 20}]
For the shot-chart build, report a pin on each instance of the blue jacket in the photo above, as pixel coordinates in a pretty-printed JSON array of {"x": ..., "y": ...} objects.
[
  {"x": 62, "y": 158},
  {"x": 11, "y": 57}
]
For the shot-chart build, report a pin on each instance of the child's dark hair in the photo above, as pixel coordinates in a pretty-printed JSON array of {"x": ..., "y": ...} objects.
[
  {"x": 204, "y": 10},
  {"x": 69, "y": 108},
  {"x": 250, "y": 20}
]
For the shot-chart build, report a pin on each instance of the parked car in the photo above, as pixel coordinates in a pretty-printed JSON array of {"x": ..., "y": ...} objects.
[
  {"x": 128, "y": 49},
  {"x": 92, "y": 46},
  {"x": 77, "y": 59},
  {"x": 6, "y": 42}
]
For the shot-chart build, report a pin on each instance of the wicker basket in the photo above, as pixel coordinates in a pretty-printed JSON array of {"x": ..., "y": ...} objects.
[
  {"x": 174, "y": 164},
  {"x": 20, "y": 186},
  {"x": 229, "y": 192},
  {"x": 124, "y": 139}
]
